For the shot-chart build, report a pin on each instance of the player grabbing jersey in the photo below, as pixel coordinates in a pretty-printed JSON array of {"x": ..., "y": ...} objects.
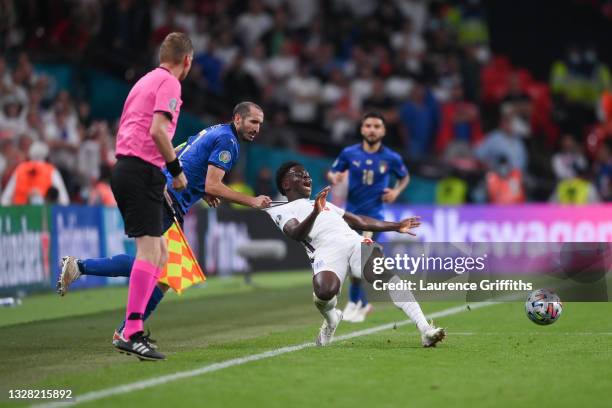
[
  {"x": 334, "y": 248},
  {"x": 370, "y": 166},
  {"x": 205, "y": 158}
]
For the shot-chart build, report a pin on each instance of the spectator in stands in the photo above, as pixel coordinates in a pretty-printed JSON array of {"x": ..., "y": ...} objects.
[
  {"x": 32, "y": 179},
  {"x": 519, "y": 101},
  {"x": 459, "y": 125},
  {"x": 304, "y": 91},
  {"x": 451, "y": 190},
  {"x": 603, "y": 171},
  {"x": 13, "y": 118},
  {"x": 279, "y": 133},
  {"x": 578, "y": 190},
  {"x": 503, "y": 142},
  {"x": 100, "y": 192},
  {"x": 419, "y": 120},
  {"x": 504, "y": 183},
  {"x": 570, "y": 157},
  {"x": 253, "y": 24},
  {"x": 239, "y": 84}
]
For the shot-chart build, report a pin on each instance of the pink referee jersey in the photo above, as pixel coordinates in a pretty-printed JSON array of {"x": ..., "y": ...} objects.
[{"x": 157, "y": 91}]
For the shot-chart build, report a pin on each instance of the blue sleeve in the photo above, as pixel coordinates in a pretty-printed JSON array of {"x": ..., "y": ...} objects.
[
  {"x": 341, "y": 163},
  {"x": 222, "y": 154},
  {"x": 398, "y": 167}
]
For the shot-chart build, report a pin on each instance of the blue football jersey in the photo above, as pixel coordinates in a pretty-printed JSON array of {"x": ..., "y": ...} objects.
[
  {"x": 369, "y": 175},
  {"x": 216, "y": 145}
]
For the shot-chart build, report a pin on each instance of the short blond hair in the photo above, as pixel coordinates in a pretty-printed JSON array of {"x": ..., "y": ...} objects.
[{"x": 174, "y": 48}]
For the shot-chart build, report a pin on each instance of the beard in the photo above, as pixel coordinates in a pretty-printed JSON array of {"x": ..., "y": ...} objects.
[{"x": 372, "y": 142}]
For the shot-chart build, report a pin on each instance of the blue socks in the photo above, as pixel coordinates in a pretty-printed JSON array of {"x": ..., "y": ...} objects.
[
  {"x": 154, "y": 300},
  {"x": 357, "y": 293},
  {"x": 118, "y": 265},
  {"x": 354, "y": 292}
]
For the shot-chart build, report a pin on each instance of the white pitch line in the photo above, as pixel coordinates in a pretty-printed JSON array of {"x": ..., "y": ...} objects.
[{"x": 140, "y": 385}]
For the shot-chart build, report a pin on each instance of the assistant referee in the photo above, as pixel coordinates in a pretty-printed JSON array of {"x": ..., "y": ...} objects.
[{"x": 144, "y": 146}]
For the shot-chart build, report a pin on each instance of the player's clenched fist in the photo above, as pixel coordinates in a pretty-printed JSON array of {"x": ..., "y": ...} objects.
[
  {"x": 407, "y": 224},
  {"x": 179, "y": 182},
  {"x": 261, "y": 201},
  {"x": 321, "y": 199}
]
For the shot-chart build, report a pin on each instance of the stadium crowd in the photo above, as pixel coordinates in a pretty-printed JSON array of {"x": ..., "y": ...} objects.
[{"x": 486, "y": 130}]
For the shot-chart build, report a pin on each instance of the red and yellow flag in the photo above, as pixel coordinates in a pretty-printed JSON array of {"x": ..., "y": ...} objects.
[{"x": 182, "y": 269}]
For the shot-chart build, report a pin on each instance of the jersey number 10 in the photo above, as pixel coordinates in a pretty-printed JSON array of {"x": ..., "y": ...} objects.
[{"x": 368, "y": 177}]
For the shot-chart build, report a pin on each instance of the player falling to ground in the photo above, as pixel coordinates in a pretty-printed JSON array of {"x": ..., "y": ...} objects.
[
  {"x": 205, "y": 158},
  {"x": 334, "y": 248},
  {"x": 370, "y": 166}
]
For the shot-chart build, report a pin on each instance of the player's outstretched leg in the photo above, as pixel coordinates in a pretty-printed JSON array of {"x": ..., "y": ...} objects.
[
  {"x": 326, "y": 286},
  {"x": 404, "y": 299},
  {"x": 72, "y": 268}
]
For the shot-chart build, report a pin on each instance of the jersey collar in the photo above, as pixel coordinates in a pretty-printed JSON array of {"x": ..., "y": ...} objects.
[
  {"x": 234, "y": 131},
  {"x": 380, "y": 149}
]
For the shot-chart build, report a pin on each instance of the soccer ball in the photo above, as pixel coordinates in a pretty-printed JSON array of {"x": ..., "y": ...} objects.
[{"x": 543, "y": 306}]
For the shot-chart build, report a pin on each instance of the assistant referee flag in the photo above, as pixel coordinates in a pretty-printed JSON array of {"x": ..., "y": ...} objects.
[{"x": 182, "y": 269}]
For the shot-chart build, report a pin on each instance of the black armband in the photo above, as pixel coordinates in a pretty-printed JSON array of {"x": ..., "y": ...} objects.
[{"x": 174, "y": 167}]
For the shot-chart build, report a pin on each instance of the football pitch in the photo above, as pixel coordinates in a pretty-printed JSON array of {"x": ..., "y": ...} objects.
[{"x": 235, "y": 345}]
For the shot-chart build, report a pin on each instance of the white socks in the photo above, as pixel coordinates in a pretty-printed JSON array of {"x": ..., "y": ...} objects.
[
  {"x": 404, "y": 299},
  {"x": 326, "y": 307}
]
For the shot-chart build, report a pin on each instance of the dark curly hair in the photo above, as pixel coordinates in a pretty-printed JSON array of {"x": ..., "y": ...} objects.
[{"x": 282, "y": 171}]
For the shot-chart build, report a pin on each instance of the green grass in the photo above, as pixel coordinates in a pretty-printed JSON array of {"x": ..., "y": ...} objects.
[{"x": 493, "y": 356}]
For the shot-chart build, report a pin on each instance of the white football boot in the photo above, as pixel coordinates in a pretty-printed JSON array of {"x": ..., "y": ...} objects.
[
  {"x": 69, "y": 273},
  {"x": 349, "y": 310},
  {"x": 326, "y": 333},
  {"x": 432, "y": 336},
  {"x": 361, "y": 314}
]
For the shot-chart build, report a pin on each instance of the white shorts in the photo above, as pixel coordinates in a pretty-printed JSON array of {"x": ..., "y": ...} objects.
[{"x": 340, "y": 259}]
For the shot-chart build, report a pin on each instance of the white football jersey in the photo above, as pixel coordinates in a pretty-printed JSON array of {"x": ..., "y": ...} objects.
[{"x": 329, "y": 229}]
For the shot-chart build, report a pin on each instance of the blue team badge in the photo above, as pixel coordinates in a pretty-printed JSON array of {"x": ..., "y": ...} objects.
[
  {"x": 225, "y": 156},
  {"x": 383, "y": 166},
  {"x": 172, "y": 105}
]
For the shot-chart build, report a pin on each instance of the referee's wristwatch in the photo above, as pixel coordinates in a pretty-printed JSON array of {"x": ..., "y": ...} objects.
[{"x": 174, "y": 167}]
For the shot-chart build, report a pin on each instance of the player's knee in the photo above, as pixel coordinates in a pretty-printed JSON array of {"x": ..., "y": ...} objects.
[
  {"x": 326, "y": 285},
  {"x": 147, "y": 249},
  {"x": 163, "y": 260}
]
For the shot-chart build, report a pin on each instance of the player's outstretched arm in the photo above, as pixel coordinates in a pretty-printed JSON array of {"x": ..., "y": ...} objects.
[
  {"x": 365, "y": 223},
  {"x": 299, "y": 230},
  {"x": 214, "y": 187}
]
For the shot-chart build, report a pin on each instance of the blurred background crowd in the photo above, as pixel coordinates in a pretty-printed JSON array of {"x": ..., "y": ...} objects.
[{"x": 480, "y": 125}]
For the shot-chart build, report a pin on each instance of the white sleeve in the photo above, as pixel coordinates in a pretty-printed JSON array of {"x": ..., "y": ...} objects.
[
  {"x": 58, "y": 182},
  {"x": 281, "y": 215},
  {"x": 7, "y": 195},
  {"x": 336, "y": 209}
]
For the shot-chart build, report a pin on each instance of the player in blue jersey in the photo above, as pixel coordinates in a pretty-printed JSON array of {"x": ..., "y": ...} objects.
[
  {"x": 205, "y": 158},
  {"x": 370, "y": 166}
]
